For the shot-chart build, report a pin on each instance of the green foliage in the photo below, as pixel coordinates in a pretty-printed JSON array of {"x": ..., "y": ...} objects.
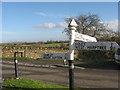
[
  {"x": 96, "y": 62},
  {"x": 96, "y": 56},
  {"x": 101, "y": 64},
  {"x": 64, "y": 45},
  {"x": 47, "y": 59},
  {"x": 7, "y": 58},
  {"x": 39, "y": 59},
  {"x": 28, "y": 84},
  {"x": 60, "y": 45},
  {"x": 115, "y": 39}
]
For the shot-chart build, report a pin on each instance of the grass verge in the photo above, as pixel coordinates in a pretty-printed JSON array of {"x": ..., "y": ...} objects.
[
  {"x": 20, "y": 84},
  {"x": 19, "y": 58},
  {"x": 26, "y": 58}
]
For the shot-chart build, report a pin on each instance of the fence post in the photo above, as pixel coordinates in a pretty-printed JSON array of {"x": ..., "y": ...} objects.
[
  {"x": 16, "y": 62},
  {"x": 72, "y": 27}
]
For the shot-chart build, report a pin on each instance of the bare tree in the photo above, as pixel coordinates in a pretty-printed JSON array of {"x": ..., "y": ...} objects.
[{"x": 91, "y": 25}]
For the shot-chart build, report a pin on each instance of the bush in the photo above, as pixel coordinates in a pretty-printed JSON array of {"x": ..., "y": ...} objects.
[{"x": 95, "y": 55}]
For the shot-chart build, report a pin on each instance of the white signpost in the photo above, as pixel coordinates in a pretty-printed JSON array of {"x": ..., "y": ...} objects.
[
  {"x": 84, "y": 38},
  {"x": 88, "y": 43},
  {"x": 72, "y": 27},
  {"x": 62, "y": 56},
  {"x": 95, "y": 45},
  {"x": 55, "y": 56}
]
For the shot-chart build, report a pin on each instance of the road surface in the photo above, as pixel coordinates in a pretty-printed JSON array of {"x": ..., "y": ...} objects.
[{"x": 48, "y": 72}]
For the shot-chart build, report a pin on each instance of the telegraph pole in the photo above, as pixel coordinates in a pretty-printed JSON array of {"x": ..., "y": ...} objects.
[{"x": 72, "y": 27}]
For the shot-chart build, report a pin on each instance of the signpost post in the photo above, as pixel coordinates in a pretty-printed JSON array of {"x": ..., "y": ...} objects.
[{"x": 72, "y": 27}]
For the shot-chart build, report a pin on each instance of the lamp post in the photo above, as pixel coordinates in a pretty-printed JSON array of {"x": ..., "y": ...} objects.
[{"x": 72, "y": 27}]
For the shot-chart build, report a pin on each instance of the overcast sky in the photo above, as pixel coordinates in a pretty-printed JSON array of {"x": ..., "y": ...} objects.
[{"x": 42, "y": 21}]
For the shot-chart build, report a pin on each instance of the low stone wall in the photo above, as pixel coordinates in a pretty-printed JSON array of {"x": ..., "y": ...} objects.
[{"x": 31, "y": 52}]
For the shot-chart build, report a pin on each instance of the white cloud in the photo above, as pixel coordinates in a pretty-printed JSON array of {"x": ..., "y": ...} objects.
[
  {"x": 41, "y": 13},
  {"x": 51, "y": 15},
  {"x": 113, "y": 24},
  {"x": 8, "y": 32},
  {"x": 51, "y": 25}
]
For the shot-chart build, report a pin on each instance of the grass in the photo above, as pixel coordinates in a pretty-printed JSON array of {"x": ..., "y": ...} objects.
[
  {"x": 26, "y": 58},
  {"x": 19, "y": 58},
  {"x": 20, "y": 84},
  {"x": 42, "y": 59},
  {"x": 47, "y": 45},
  {"x": 51, "y": 45}
]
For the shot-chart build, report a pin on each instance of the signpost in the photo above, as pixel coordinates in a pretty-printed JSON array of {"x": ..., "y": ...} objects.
[
  {"x": 88, "y": 43},
  {"x": 72, "y": 27},
  {"x": 73, "y": 36},
  {"x": 55, "y": 56},
  {"x": 95, "y": 45}
]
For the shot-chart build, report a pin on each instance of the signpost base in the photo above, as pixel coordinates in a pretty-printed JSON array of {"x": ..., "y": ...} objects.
[{"x": 71, "y": 74}]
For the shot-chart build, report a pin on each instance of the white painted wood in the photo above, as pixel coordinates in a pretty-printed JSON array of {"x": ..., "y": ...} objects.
[
  {"x": 72, "y": 27},
  {"x": 73, "y": 23},
  {"x": 96, "y": 45},
  {"x": 84, "y": 38},
  {"x": 55, "y": 56}
]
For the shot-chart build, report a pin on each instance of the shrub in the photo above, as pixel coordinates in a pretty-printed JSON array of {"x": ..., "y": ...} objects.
[{"x": 92, "y": 55}]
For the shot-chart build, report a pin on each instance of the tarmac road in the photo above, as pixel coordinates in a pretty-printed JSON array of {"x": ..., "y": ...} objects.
[{"x": 48, "y": 72}]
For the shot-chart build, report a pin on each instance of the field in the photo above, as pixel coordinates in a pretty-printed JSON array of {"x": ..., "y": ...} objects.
[{"x": 51, "y": 45}]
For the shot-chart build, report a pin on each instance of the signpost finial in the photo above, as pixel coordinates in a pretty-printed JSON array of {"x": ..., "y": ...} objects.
[{"x": 72, "y": 23}]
